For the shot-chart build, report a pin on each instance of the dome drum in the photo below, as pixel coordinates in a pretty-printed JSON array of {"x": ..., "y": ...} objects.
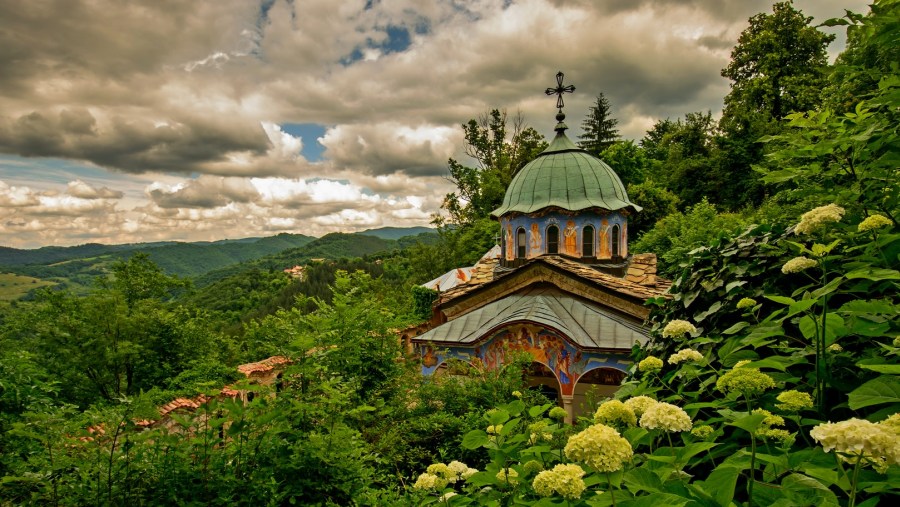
[{"x": 592, "y": 236}]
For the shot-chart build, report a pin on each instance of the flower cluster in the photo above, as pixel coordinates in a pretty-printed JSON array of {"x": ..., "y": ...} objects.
[
  {"x": 557, "y": 413},
  {"x": 793, "y": 401},
  {"x": 461, "y": 470},
  {"x": 678, "y": 328},
  {"x": 797, "y": 264},
  {"x": 685, "y": 355},
  {"x": 601, "y": 447},
  {"x": 430, "y": 482},
  {"x": 746, "y": 303},
  {"x": 517, "y": 394},
  {"x": 858, "y": 439},
  {"x": 639, "y": 404},
  {"x": 537, "y": 432},
  {"x": 747, "y": 381},
  {"x": 508, "y": 476},
  {"x": 835, "y": 347},
  {"x": 494, "y": 430},
  {"x": 812, "y": 219},
  {"x": 702, "y": 432},
  {"x": 565, "y": 480},
  {"x": 770, "y": 420},
  {"x": 666, "y": 417},
  {"x": 650, "y": 364},
  {"x": 532, "y": 467},
  {"x": 615, "y": 412},
  {"x": 874, "y": 222},
  {"x": 438, "y": 475}
]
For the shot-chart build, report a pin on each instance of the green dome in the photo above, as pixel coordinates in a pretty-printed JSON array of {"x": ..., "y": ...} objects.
[{"x": 567, "y": 177}]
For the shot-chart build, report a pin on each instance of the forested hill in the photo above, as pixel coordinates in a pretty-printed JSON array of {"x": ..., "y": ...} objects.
[
  {"x": 80, "y": 264},
  {"x": 331, "y": 246},
  {"x": 397, "y": 232}
]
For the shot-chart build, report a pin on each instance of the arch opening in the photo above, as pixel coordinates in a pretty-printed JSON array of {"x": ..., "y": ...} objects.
[
  {"x": 587, "y": 241},
  {"x": 520, "y": 243},
  {"x": 553, "y": 239}
]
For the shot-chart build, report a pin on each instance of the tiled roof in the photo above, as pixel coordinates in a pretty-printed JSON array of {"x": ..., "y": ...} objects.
[
  {"x": 588, "y": 324},
  {"x": 191, "y": 404},
  {"x": 262, "y": 366},
  {"x": 622, "y": 285}
]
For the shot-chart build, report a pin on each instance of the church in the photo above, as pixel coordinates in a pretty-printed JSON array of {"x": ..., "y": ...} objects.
[{"x": 561, "y": 287}]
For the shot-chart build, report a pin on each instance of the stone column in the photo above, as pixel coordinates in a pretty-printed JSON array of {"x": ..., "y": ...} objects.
[{"x": 568, "y": 404}]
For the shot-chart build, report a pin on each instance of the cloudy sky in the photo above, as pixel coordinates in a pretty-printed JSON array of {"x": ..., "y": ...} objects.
[{"x": 211, "y": 119}]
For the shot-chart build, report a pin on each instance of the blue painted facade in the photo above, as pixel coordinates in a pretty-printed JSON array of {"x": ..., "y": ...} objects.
[{"x": 607, "y": 228}]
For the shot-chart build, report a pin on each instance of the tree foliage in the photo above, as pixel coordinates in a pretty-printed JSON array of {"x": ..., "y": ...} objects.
[
  {"x": 599, "y": 128},
  {"x": 499, "y": 151}
]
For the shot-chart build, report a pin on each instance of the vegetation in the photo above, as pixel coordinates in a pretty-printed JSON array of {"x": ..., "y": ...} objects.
[
  {"x": 771, "y": 377},
  {"x": 599, "y": 127}
]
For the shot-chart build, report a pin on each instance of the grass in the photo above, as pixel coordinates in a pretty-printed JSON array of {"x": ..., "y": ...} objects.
[{"x": 13, "y": 286}]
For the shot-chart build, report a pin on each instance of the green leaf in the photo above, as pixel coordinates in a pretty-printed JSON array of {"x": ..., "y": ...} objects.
[
  {"x": 657, "y": 499},
  {"x": 749, "y": 423},
  {"x": 689, "y": 451},
  {"x": 877, "y": 391},
  {"x": 496, "y": 416},
  {"x": 515, "y": 407},
  {"x": 720, "y": 484},
  {"x": 735, "y": 328},
  {"x": 641, "y": 479},
  {"x": 475, "y": 439},
  {"x": 781, "y": 299},
  {"x": 538, "y": 410},
  {"x": 875, "y": 274},
  {"x": 800, "y": 306},
  {"x": 874, "y": 306},
  {"x": 805, "y": 490},
  {"x": 876, "y": 364},
  {"x": 779, "y": 363}
]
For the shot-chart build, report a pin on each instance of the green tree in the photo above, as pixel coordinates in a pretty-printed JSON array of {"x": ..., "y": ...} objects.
[
  {"x": 657, "y": 201},
  {"x": 850, "y": 158},
  {"x": 778, "y": 66},
  {"x": 498, "y": 153},
  {"x": 599, "y": 127},
  {"x": 628, "y": 160}
]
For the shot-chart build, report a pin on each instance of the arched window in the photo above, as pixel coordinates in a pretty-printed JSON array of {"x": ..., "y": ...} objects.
[
  {"x": 615, "y": 240},
  {"x": 520, "y": 243},
  {"x": 587, "y": 242},
  {"x": 553, "y": 239}
]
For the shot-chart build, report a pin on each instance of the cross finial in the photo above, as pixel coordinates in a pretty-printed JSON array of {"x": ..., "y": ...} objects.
[{"x": 559, "y": 90}]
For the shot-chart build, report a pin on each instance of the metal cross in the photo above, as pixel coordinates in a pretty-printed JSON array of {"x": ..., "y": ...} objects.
[{"x": 559, "y": 90}]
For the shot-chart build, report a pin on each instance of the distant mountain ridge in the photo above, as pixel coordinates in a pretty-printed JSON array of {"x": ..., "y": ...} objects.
[
  {"x": 397, "y": 232},
  {"x": 79, "y": 265}
]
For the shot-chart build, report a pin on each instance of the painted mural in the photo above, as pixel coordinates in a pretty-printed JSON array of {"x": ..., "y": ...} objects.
[
  {"x": 562, "y": 357},
  {"x": 571, "y": 240}
]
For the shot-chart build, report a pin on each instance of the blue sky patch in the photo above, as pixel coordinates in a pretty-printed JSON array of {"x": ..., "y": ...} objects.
[{"x": 310, "y": 133}]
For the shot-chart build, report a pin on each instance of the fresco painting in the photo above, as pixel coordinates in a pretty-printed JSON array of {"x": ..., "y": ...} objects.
[{"x": 545, "y": 346}]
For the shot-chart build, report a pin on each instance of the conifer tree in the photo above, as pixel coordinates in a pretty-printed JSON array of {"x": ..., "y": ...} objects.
[{"x": 599, "y": 127}]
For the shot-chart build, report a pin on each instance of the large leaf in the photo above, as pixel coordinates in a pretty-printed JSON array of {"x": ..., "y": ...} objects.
[
  {"x": 642, "y": 479},
  {"x": 874, "y": 274},
  {"x": 475, "y": 439},
  {"x": 658, "y": 499},
  {"x": 884, "y": 389},
  {"x": 803, "y": 490},
  {"x": 720, "y": 484},
  {"x": 749, "y": 423},
  {"x": 876, "y": 364}
]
